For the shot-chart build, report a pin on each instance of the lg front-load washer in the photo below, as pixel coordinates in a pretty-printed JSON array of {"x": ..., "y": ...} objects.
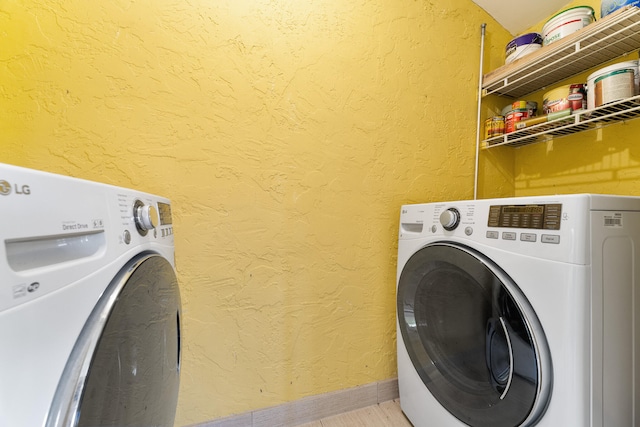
[
  {"x": 89, "y": 304},
  {"x": 520, "y": 312}
]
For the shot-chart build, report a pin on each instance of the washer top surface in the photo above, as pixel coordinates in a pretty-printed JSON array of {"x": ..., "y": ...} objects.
[
  {"x": 549, "y": 227},
  {"x": 57, "y": 230}
]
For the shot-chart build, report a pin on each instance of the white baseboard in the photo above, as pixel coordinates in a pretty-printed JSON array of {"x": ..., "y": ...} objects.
[{"x": 312, "y": 408}]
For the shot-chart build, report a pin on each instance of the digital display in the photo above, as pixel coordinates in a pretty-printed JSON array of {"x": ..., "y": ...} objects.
[
  {"x": 164, "y": 211},
  {"x": 541, "y": 217},
  {"x": 523, "y": 209}
]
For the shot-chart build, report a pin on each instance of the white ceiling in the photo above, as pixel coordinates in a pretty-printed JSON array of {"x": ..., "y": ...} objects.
[{"x": 518, "y": 16}]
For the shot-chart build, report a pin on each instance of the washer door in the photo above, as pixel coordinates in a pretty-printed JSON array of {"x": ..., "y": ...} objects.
[
  {"x": 473, "y": 337},
  {"x": 124, "y": 369}
]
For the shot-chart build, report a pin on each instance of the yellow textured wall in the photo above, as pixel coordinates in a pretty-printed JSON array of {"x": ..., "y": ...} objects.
[
  {"x": 496, "y": 175},
  {"x": 604, "y": 161},
  {"x": 286, "y": 133}
]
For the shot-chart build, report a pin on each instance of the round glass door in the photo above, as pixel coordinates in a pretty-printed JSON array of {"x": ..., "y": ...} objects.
[
  {"x": 125, "y": 367},
  {"x": 473, "y": 338}
]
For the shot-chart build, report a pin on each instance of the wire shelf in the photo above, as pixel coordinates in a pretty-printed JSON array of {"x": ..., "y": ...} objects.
[
  {"x": 625, "y": 109},
  {"x": 613, "y": 36}
]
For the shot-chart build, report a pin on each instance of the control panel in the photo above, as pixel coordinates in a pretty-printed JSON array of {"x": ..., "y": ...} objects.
[
  {"x": 546, "y": 227},
  {"x": 541, "y": 217},
  {"x": 84, "y": 227},
  {"x": 544, "y": 217},
  {"x": 530, "y": 222},
  {"x": 148, "y": 217}
]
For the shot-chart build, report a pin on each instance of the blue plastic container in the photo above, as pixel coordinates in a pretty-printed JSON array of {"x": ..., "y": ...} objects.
[{"x": 610, "y": 6}]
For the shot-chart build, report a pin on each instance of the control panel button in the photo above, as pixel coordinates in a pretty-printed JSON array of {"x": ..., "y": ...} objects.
[
  {"x": 528, "y": 237},
  {"x": 492, "y": 234},
  {"x": 468, "y": 231},
  {"x": 508, "y": 235},
  {"x": 550, "y": 238}
]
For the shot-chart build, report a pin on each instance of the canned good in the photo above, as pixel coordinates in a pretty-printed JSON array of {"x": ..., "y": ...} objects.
[
  {"x": 530, "y": 106},
  {"x": 514, "y": 117},
  {"x": 556, "y": 100},
  {"x": 577, "y": 97},
  {"x": 493, "y": 126}
]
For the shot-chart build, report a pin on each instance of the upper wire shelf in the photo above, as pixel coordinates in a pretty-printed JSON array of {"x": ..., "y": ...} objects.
[{"x": 613, "y": 36}]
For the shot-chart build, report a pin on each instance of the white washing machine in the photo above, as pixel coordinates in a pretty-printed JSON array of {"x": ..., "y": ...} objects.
[
  {"x": 89, "y": 304},
  {"x": 520, "y": 312}
]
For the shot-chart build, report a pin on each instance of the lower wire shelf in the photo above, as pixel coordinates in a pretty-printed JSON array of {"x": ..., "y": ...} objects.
[{"x": 579, "y": 121}]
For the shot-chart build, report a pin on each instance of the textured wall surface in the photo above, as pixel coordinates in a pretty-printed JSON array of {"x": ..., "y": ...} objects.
[{"x": 287, "y": 134}]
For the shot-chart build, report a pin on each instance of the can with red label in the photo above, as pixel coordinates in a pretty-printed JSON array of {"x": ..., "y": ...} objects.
[
  {"x": 577, "y": 97},
  {"x": 513, "y": 117}
]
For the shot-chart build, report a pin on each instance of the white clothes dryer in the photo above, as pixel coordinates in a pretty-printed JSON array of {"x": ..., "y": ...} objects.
[
  {"x": 89, "y": 304},
  {"x": 520, "y": 312}
]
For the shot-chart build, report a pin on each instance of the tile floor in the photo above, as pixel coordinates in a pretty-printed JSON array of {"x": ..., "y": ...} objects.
[{"x": 385, "y": 414}]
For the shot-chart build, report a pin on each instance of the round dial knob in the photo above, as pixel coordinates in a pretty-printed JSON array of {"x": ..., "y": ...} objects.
[
  {"x": 145, "y": 216},
  {"x": 450, "y": 219}
]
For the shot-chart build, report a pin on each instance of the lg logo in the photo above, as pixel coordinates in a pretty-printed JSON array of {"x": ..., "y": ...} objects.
[{"x": 6, "y": 189}]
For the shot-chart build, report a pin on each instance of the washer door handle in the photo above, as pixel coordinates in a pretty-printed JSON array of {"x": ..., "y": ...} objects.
[
  {"x": 510, "y": 347},
  {"x": 499, "y": 354}
]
